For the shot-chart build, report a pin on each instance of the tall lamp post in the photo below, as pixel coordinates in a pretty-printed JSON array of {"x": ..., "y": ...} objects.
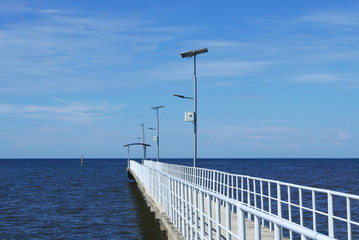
[
  {"x": 194, "y": 54},
  {"x": 158, "y": 132}
]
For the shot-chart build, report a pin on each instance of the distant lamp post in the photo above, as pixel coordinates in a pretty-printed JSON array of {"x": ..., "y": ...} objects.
[
  {"x": 143, "y": 139},
  {"x": 143, "y": 132},
  {"x": 158, "y": 131},
  {"x": 193, "y": 54}
]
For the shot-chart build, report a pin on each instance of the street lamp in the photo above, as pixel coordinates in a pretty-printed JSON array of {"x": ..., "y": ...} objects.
[
  {"x": 158, "y": 132},
  {"x": 194, "y": 54}
]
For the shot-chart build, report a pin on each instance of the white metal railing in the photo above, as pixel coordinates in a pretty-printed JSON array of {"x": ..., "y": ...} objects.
[
  {"x": 333, "y": 213},
  {"x": 200, "y": 213}
]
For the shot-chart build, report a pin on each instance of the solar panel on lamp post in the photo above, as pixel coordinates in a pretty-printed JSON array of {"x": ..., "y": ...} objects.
[{"x": 193, "y": 54}]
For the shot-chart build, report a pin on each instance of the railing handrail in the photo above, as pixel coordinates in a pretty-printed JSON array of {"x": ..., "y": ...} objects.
[
  {"x": 283, "y": 223},
  {"x": 271, "y": 195},
  {"x": 268, "y": 180}
]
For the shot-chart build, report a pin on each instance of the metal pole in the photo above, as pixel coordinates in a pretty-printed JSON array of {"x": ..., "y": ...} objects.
[
  {"x": 195, "y": 113},
  {"x": 158, "y": 137},
  {"x": 194, "y": 54},
  {"x": 143, "y": 133},
  {"x": 143, "y": 140},
  {"x": 158, "y": 131}
]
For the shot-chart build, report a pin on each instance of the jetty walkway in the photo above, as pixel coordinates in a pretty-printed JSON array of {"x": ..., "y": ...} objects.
[{"x": 197, "y": 203}]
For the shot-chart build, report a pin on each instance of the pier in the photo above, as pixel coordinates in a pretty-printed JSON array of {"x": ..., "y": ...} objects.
[{"x": 197, "y": 203}]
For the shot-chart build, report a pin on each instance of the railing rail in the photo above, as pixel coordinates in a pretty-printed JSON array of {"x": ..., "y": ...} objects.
[
  {"x": 200, "y": 213},
  {"x": 331, "y": 212}
]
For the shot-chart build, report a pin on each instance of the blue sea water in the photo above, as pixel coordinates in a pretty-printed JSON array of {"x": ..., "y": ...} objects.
[{"x": 59, "y": 199}]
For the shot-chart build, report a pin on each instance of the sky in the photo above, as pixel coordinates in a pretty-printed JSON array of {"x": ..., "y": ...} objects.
[{"x": 280, "y": 79}]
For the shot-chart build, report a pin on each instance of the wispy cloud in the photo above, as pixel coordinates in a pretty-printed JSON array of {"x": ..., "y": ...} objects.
[
  {"x": 69, "y": 111},
  {"x": 333, "y": 18},
  {"x": 60, "y": 47},
  {"x": 322, "y": 77},
  {"x": 269, "y": 135},
  {"x": 342, "y": 135}
]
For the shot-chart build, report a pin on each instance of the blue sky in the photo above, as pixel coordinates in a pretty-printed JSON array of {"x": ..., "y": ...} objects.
[{"x": 280, "y": 80}]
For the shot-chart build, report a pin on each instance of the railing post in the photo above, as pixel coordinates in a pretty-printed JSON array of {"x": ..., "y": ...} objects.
[
  {"x": 241, "y": 223},
  {"x": 196, "y": 193},
  {"x": 218, "y": 218},
  {"x": 255, "y": 194},
  {"x": 171, "y": 200},
  {"x": 186, "y": 212},
  {"x": 242, "y": 190},
  {"x": 349, "y": 218},
  {"x": 262, "y": 199},
  {"x": 277, "y": 232},
  {"x": 202, "y": 216},
  {"x": 314, "y": 214},
  {"x": 191, "y": 211},
  {"x": 209, "y": 206},
  {"x": 182, "y": 210},
  {"x": 290, "y": 210},
  {"x": 270, "y": 204},
  {"x": 279, "y": 201},
  {"x": 248, "y": 198},
  {"x": 257, "y": 228},
  {"x": 330, "y": 215},
  {"x": 301, "y": 207},
  {"x": 228, "y": 221}
]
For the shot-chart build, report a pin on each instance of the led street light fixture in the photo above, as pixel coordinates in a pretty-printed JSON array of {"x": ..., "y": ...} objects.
[{"x": 190, "y": 54}]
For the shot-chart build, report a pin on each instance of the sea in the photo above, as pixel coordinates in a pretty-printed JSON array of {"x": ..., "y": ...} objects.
[{"x": 60, "y": 199}]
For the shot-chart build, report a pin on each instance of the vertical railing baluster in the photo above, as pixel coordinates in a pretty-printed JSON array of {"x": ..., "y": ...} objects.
[
  {"x": 290, "y": 210},
  {"x": 209, "y": 206},
  {"x": 301, "y": 207},
  {"x": 279, "y": 200},
  {"x": 228, "y": 221},
  {"x": 330, "y": 215},
  {"x": 186, "y": 213},
  {"x": 314, "y": 208},
  {"x": 191, "y": 210},
  {"x": 232, "y": 186},
  {"x": 270, "y": 204},
  {"x": 242, "y": 190},
  {"x": 218, "y": 218},
  {"x": 237, "y": 187},
  {"x": 202, "y": 178},
  {"x": 255, "y": 193},
  {"x": 248, "y": 198},
  {"x": 349, "y": 218},
  {"x": 202, "y": 216},
  {"x": 182, "y": 209},
  {"x": 262, "y": 199},
  {"x": 196, "y": 193}
]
